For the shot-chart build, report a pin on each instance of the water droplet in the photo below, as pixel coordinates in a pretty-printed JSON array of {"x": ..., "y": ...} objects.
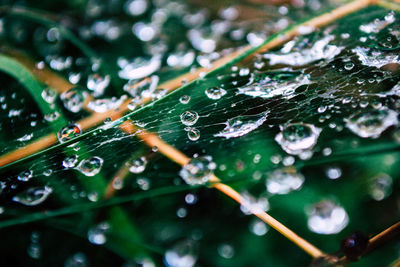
[
  {"x": 373, "y": 58},
  {"x": 283, "y": 181},
  {"x": 181, "y": 59},
  {"x": 25, "y": 176},
  {"x": 182, "y": 254},
  {"x": 33, "y": 196},
  {"x": 242, "y": 125},
  {"x": 226, "y": 251},
  {"x": 98, "y": 83},
  {"x": 73, "y": 99},
  {"x": 90, "y": 166},
  {"x": 190, "y": 199},
  {"x": 184, "y": 99},
  {"x": 371, "y": 123},
  {"x": 380, "y": 187},
  {"x": 97, "y": 234},
  {"x": 139, "y": 67},
  {"x": 70, "y": 161},
  {"x": 295, "y": 138},
  {"x": 143, "y": 183},
  {"x": 192, "y": 133},
  {"x": 349, "y": 66},
  {"x": 68, "y": 132},
  {"x": 258, "y": 227},
  {"x": 34, "y": 249},
  {"x": 198, "y": 171},
  {"x": 52, "y": 116},
  {"x": 333, "y": 172},
  {"x": 77, "y": 260},
  {"x": 136, "y": 7},
  {"x": 106, "y": 104},
  {"x": 215, "y": 93},
  {"x": 327, "y": 218},
  {"x": 137, "y": 165},
  {"x": 189, "y": 118},
  {"x": 321, "y": 49},
  {"x": 26, "y": 137},
  {"x": 252, "y": 204},
  {"x": 49, "y": 95},
  {"x": 267, "y": 87},
  {"x": 377, "y": 24}
]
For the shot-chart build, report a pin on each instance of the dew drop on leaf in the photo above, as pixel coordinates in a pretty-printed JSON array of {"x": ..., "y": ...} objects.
[
  {"x": 333, "y": 172},
  {"x": 380, "y": 187},
  {"x": 198, "y": 170},
  {"x": 68, "y": 132},
  {"x": 33, "y": 196},
  {"x": 70, "y": 161},
  {"x": 137, "y": 165},
  {"x": 242, "y": 125},
  {"x": 295, "y": 138},
  {"x": 184, "y": 99},
  {"x": 327, "y": 218},
  {"x": 226, "y": 251},
  {"x": 77, "y": 260},
  {"x": 25, "y": 176},
  {"x": 215, "y": 93},
  {"x": 73, "y": 99},
  {"x": 98, "y": 83},
  {"x": 258, "y": 227},
  {"x": 193, "y": 133},
  {"x": 189, "y": 118},
  {"x": 90, "y": 166},
  {"x": 283, "y": 181},
  {"x": 372, "y": 123},
  {"x": 97, "y": 233},
  {"x": 183, "y": 254}
]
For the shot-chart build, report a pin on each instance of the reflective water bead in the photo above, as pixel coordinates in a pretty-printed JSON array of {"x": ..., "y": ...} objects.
[
  {"x": 73, "y": 99},
  {"x": 215, "y": 93},
  {"x": 70, "y": 161},
  {"x": 333, "y": 173},
  {"x": 242, "y": 125},
  {"x": 68, "y": 132},
  {"x": 33, "y": 196},
  {"x": 76, "y": 260},
  {"x": 193, "y": 133},
  {"x": 189, "y": 118},
  {"x": 49, "y": 95},
  {"x": 380, "y": 187},
  {"x": 90, "y": 166},
  {"x": 198, "y": 171},
  {"x": 183, "y": 254},
  {"x": 25, "y": 176},
  {"x": 327, "y": 218},
  {"x": 226, "y": 251},
  {"x": 184, "y": 99},
  {"x": 258, "y": 227},
  {"x": 137, "y": 165},
  {"x": 98, "y": 83},
  {"x": 97, "y": 234},
  {"x": 283, "y": 181},
  {"x": 296, "y": 138},
  {"x": 371, "y": 123}
]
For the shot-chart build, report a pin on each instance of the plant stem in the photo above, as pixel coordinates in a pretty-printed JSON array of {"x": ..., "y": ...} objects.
[{"x": 180, "y": 158}]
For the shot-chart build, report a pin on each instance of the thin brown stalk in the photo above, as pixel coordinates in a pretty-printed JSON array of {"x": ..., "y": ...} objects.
[
  {"x": 171, "y": 85},
  {"x": 152, "y": 140}
]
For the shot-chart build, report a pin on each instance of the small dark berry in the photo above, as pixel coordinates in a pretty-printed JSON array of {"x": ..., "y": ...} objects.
[{"x": 354, "y": 245}]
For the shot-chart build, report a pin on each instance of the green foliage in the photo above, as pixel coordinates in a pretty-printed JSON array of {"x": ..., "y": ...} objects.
[{"x": 322, "y": 78}]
